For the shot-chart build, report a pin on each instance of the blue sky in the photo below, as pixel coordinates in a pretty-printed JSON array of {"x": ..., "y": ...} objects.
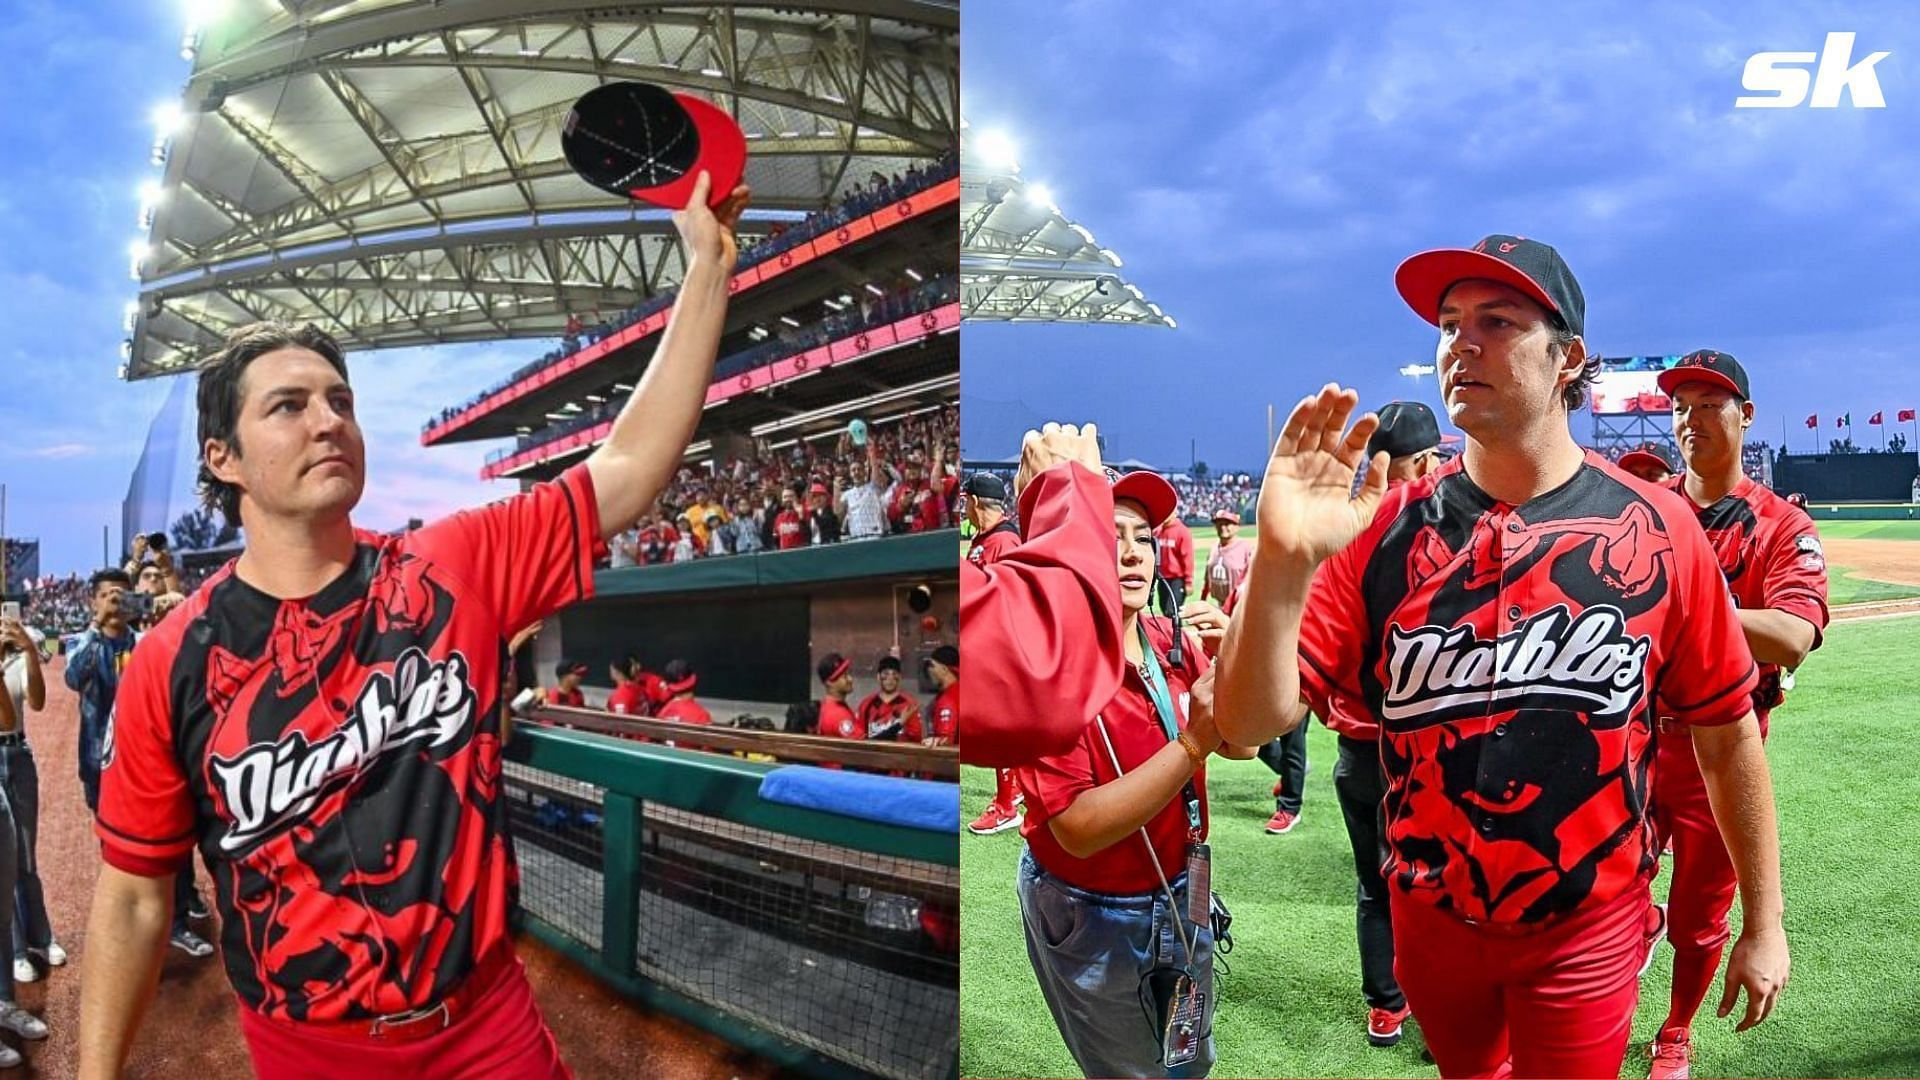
[
  {"x": 1262, "y": 168},
  {"x": 80, "y": 81}
]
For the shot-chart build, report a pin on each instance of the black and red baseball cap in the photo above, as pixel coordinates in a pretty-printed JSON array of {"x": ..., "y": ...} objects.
[
  {"x": 569, "y": 667},
  {"x": 1530, "y": 266},
  {"x": 1406, "y": 428},
  {"x": 1707, "y": 366},
  {"x": 679, "y": 677},
  {"x": 1151, "y": 491},
  {"x": 832, "y": 666},
  {"x": 1648, "y": 456},
  {"x": 640, "y": 141}
]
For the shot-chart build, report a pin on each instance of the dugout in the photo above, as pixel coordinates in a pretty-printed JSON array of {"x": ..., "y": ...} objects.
[{"x": 753, "y": 625}]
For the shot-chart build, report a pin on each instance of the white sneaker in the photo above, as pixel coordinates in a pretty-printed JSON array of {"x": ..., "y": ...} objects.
[
  {"x": 56, "y": 956},
  {"x": 24, "y": 971},
  {"x": 21, "y": 1022},
  {"x": 191, "y": 943},
  {"x": 9, "y": 1057}
]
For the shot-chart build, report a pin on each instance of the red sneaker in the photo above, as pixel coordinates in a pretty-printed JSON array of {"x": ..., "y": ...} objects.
[
  {"x": 997, "y": 818},
  {"x": 1282, "y": 822},
  {"x": 1656, "y": 933},
  {"x": 1671, "y": 1055},
  {"x": 1384, "y": 1025}
]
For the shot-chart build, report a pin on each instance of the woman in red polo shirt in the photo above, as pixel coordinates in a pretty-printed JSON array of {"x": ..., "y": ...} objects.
[{"x": 1103, "y": 881}]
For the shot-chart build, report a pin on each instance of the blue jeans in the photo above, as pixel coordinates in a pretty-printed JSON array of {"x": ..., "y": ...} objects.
[
  {"x": 20, "y": 782},
  {"x": 1091, "y": 954}
]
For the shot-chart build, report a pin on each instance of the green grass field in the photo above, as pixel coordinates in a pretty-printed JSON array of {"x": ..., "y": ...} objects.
[{"x": 1848, "y": 796}]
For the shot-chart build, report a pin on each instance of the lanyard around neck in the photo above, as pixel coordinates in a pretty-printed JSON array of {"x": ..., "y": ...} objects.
[{"x": 1162, "y": 699}]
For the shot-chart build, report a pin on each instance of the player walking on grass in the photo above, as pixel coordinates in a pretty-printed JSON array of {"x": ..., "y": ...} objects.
[
  {"x": 1770, "y": 553},
  {"x": 1513, "y": 620},
  {"x": 321, "y": 719}
]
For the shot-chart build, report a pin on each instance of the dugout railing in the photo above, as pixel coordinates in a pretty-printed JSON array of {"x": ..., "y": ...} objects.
[{"x": 821, "y": 942}]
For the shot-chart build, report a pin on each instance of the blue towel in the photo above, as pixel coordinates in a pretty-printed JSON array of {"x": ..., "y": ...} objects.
[{"x": 917, "y": 804}]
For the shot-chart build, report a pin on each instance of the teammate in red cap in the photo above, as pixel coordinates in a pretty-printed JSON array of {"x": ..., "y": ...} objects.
[
  {"x": 1650, "y": 463},
  {"x": 1176, "y": 558},
  {"x": 1109, "y": 828},
  {"x": 680, "y": 681},
  {"x": 322, "y": 719},
  {"x": 887, "y": 713},
  {"x": 944, "y": 714},
  {"x": 1043, "y": 623},
  {"x": 837, "y": 718},
  {"x": 1770, "y": 553},
  {"x": 567, "y": 689},
  {"x": 1513, "y": 621},
  {"x": 1227, "y": 565}
]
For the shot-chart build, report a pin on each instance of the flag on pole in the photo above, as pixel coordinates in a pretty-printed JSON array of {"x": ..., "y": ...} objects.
[
  {"x": 1813, "y": 421},
  {"x": 1874, "y": 419},
  {"x": 1905, "y": 415},
  {"x": 1845, "y": 419}
]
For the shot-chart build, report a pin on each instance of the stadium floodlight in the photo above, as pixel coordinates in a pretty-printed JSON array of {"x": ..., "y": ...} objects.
[
  {"x": 150, "y": 193},
  {"x": 914, "y": 274},
  {"x": 139, "y": 250},
  {"x": 790, "y": 322},
  {"x": 1039, "y": 195},
  {"x": 875, "y": 289},
  {"x": 996, "y": 150},
  {"x": 167, "y": 118}
]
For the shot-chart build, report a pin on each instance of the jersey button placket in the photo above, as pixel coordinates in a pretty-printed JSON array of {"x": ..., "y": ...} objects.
[{"x": 1491, "y": 772}]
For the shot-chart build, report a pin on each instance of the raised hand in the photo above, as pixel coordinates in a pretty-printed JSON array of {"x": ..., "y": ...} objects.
[
  {"x": 707, "y": 233},
  {"x": 1052, "y": 445},
  {"x": 1306, "y": 514}
]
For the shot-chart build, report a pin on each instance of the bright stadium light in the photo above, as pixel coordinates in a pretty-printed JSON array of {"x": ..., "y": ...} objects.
[
  {"x": 139, "y": 250},
  {"x": 150, "y": 193},
  {"x": 167, "y": 118},
  {"x": 996, "y": 149},
  {"x": 1039, "y": 195}
]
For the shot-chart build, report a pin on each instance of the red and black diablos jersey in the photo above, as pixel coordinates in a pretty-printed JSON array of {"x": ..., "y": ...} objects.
[
  {"x": 1513, "y": 657},
  {"x": 894, "y": 719},
  {"x": 1770, "y": 553},
  {"x": 337, "y": 758}
]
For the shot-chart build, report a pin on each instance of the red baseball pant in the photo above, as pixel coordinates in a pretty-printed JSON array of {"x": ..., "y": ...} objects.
[
  {"x": 501, "y": 1037},
  {"x": 1702, "y": 884},
  {"x": 1499, "y": 1002}
]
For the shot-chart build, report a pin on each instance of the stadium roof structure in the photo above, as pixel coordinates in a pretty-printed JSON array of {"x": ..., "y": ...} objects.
[
  {"x": 1022, "y": 260},
  {"x": 391, "y": 169}
]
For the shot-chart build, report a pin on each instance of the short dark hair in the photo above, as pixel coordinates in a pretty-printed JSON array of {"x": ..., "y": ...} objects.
[
  {"x": 111, "y": 574},
  {"x": 219, "y": 394},
  {"x": 1574, "y": 394}
]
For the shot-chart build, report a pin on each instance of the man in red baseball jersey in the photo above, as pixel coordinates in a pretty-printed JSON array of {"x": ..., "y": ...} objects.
[
  {"x": 1176, "y": 558},
  {"x": 837, "y": 719},
  {"x": 994, "y": 535},
  {"x": 887, "y": 713},
  {"x": 566, "y": 690},
  {"x": 945, "y": 711},
  {"x": 1649, "y": 463},
  {"x": 1227, "y": 565},
  {"x": 322, "y": 720},
  {"x": 1043, "y": 623},
  {"x": 1513, "y": 621},
  {"x": 680, "y": 681},
  {"x": 1770, "y": 553}
]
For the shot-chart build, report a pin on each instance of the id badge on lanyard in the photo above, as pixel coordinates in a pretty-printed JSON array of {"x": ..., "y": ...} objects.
[{"x": 1199, "y": 855}]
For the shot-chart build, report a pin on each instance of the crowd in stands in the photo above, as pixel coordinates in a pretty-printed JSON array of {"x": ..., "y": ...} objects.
[
  {"x": 872, "y": 311},
  {"x": 56, "y": 606},
  {"x": 862, "y": 198},
  {"x": 816, "y": 491},
  {"x": 1230, "y": 492}
]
